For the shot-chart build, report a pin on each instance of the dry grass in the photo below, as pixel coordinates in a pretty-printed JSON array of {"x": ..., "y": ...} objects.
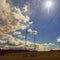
[{"x": 32, "y": 56}]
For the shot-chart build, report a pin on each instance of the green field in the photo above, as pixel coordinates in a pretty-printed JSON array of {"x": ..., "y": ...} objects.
[{"x": 32, "y": 56}]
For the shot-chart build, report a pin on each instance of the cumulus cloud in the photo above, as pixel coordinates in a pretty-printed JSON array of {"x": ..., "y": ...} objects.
[
  {"x": 30, "y": 22},
  {"x": 43, "y": 47},
  {"x": 11, "y": 18},
  {"x": 25, "y": 8},
  {"x": 56, "y": 49},
  {"x": 13, "y": 43},
  {"x": 17, "y": 33},
  {"x": 21, "y": 36},
  {"x": 18, "y": 15},
  {"x": 9, "y": 39},
  {"x": 49, "y": 44},
  {"x": 58, "y": 39},
  {"x": 32, "y": 31},
  {"x": 2, "y": 42}
]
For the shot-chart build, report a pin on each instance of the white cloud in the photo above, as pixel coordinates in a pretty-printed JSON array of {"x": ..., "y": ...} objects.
[
  {"x": 30, "y": 22},
  {"x": 21, "y": 36},
  {"x": 56, "y": 49},
  {"x": 11, "y": 18},
  {"x": 2, "y": 42},
  {"x": 51, "y": 44},
  {"x": 17, "y": 33},
  {"x": 9, "y": 39},
  {"x": 43, "y": 47},
  {"x": 20, "y": 44},
  {"x": 13, "y": 42},
  {"x": 58, "y": 39},
  {"x": 25, "y": 8},
  {"x": 29, "y": 30},
  {"x": 32, "y": 31}
]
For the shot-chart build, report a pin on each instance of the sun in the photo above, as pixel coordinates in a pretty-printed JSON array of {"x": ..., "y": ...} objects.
[{"x": 48, "y": 4}]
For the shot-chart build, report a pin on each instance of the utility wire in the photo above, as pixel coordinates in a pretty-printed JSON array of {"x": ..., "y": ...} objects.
[{"x": 51, "y": 20}]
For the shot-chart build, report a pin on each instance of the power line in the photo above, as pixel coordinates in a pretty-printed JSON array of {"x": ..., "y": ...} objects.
[{"x": 50, "y": 20}]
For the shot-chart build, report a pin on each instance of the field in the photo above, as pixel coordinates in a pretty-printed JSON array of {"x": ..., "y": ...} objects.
[{"x": 32, "y": 56}]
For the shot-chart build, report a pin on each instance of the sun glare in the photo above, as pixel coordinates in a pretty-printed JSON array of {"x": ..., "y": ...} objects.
[{"x": 48, "y": 4}]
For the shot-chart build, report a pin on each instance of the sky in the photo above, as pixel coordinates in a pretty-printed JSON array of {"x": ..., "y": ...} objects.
[{"x": 19, "y": 18}]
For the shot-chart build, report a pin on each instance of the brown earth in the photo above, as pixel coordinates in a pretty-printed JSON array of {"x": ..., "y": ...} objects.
[{"x": 51, "y": 55}]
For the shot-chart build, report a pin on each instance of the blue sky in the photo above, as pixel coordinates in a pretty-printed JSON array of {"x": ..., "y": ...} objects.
[{"x": 47, "y": 25}]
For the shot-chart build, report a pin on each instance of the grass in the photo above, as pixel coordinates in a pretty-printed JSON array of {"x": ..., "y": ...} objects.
[{"x": 32, "y": 56}]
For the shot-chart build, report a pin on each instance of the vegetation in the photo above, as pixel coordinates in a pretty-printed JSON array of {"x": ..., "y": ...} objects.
[{"x": 51, "y": 55}]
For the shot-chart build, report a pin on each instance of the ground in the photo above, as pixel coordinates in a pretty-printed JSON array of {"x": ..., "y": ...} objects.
[{"x": 32, "y": 56}]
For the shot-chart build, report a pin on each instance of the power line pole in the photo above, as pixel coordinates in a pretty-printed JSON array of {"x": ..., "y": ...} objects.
[
  {"x": 25, "y": 38},
  {"x": 34, "y": 42},
  {"x": 34, "y": 33}
]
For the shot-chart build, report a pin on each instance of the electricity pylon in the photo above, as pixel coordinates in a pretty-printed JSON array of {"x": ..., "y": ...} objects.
[{"x": 26, "y": 38}]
